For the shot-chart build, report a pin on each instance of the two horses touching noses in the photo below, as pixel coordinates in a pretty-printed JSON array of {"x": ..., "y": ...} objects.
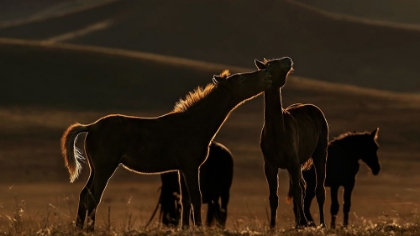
[{"x": 137, "y": 143}]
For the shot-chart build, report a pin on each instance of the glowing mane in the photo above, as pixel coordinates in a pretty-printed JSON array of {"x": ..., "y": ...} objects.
[
  {"x": 347, "y": 134},
  {"x": 225, "y": 74},
  {"x": 199, "y": 93}
]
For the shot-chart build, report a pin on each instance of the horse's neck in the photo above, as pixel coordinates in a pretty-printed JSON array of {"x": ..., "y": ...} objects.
[
  {"x": 273, "y": 112},
  {"x": 209, "y": 114}
]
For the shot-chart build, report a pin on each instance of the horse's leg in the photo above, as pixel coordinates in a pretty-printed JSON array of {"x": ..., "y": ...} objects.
[
  {"x": 319, "y": 158},
  {"x": 296, "y": 175},
  {"x": 310, "y": 178},
  {"x": 83, "y": 199},
  {"x": 223, "y": 209},
  {"x": 307, "y": 200},
  {"x": 218, "y": 214},
  {"x": 185, "y": 201},
  {"x": 193, "y": 188},
  {"x": 99, "y": 183},
  {"x": 211, "y": 213},
  {"x": 308, "y": 195},
  {"x": 271, "y": 175},
  {"x": 348, "y": 188},
  {"x": 169, "y": 199},
  {"x": 295, "y": 209},
  {"x": 334, "y": 204}
]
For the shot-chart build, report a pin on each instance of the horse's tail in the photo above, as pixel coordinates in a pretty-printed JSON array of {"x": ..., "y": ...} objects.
[
  {"x": 302, "y": 185},
  {"x": 70, "y": 152}
]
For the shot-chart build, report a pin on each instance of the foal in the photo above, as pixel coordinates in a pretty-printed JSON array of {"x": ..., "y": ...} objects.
[
  {"x": 289, "y": 138},
  {"x": 344, "y": 153},
  {"x": 178, "y": 140},
  {"x": 215, "y": 181}
]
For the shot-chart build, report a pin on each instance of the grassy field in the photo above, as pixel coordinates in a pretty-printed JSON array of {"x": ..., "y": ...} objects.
[{"x": 45, "y": 90}]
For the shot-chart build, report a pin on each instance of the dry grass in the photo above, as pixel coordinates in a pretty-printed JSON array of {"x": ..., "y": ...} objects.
[{"x": 19, "y": 218}]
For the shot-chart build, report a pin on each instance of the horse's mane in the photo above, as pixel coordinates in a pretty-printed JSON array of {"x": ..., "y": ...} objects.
[
  {"x": 196, "y": 95},
  {"x": 347, "y": 135}
]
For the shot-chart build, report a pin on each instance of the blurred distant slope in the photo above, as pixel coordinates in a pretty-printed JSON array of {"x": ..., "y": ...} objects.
[
  {"x": 18, "y": 10},
  {"x": 33, "y": 76},
  {"x": 236, "y": 32},
  {"x": 406, "y": 11}
]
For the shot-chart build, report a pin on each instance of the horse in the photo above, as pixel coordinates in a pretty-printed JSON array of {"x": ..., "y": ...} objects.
[
  {"x": 216, "y": 175},
  {"x": 291, "y": 139},
  {"x": 175, "y": 141},
  {"x": 344, "y": 153}
]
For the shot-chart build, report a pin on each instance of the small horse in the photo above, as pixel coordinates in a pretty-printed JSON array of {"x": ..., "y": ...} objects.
[
  {"x": 215, "y": 180},
  {"x": 289, "y": 138},
  {"x": 178, "y": 140},
  {"x": 344, "y": 153}
]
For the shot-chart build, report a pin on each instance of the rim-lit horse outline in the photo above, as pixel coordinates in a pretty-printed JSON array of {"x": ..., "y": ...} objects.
[
  {"x": 344, "y": 153},
  {"x": 178, "y": 140},
  {"x": 292, "y": 138}
]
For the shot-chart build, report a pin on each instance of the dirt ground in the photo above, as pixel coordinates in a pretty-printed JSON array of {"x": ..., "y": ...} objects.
[{"x": 44, "y": 89}]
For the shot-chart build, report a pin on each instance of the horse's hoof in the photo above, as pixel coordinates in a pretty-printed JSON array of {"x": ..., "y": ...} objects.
[
  {"x": 185, "y": 227},
  {"x": 301, "y": 226},
  {"x": 311, "y": 224},
  {"x": 272, "y": 228},
  {"x": 322, "y": 226}
]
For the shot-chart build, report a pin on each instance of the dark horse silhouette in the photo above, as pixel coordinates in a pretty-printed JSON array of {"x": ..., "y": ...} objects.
[
  {"x": 215, "y": 180},
  {"x": 344, "y": 153},
  {"x": 178, "y": 140},
  {"x": 290, "y": 138}
]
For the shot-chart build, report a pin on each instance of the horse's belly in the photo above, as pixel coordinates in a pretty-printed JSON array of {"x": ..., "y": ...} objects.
[{"x": 149, "y": 165}]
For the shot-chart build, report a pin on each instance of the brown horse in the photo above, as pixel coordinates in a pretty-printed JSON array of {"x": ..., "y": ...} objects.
[
  {"x": 178, "y": 140},
  {"x": 344, "y": 153},
  {"x": 292, "y": 139}
]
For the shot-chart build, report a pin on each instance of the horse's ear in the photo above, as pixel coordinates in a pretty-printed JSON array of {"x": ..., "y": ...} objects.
[
  {"x": 259, "y": 64},
  {"x": 217, "y": 79},
  {"x": 375, "y": 133}
]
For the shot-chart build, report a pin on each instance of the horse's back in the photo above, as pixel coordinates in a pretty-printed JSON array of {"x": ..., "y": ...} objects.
[
  {"x": 307, "y": 118},
  {"x": 310, "y": 124},
  {"x": 306, "y": 112},
  {"x": 120, "y": 127}
]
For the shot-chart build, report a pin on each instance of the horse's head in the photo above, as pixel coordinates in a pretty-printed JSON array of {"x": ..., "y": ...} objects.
[
  {"x": 369, "y": 148},
  {"x": 278, "y": 68},
  {"x": 243, "y": 86}
]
